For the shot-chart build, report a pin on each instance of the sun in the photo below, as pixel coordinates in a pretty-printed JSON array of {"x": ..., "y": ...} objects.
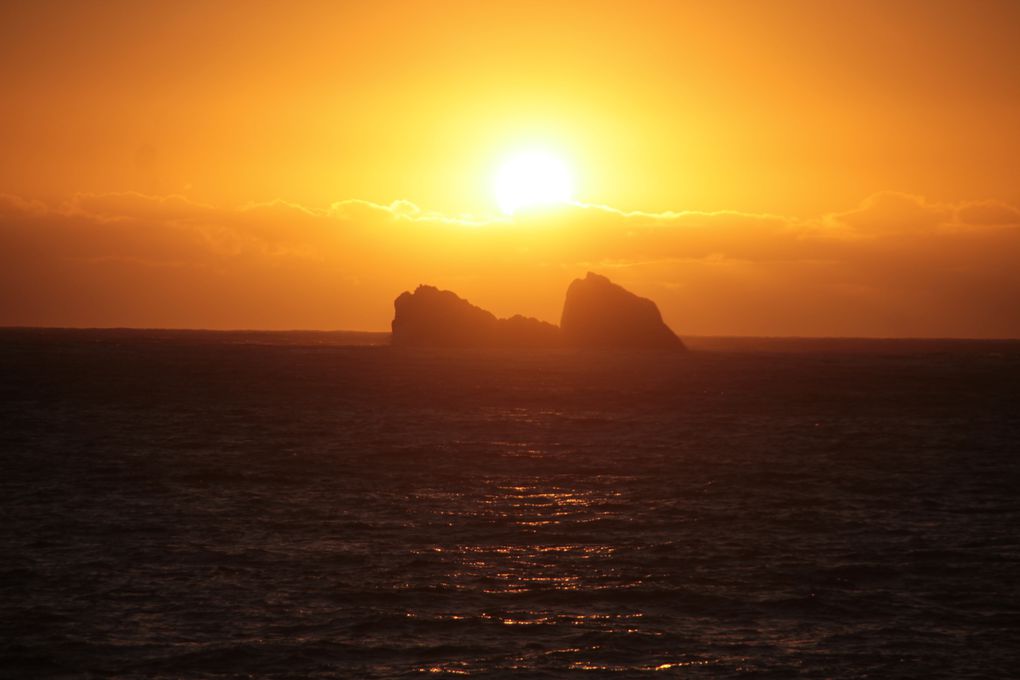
[{"x": 531, "y": 179}]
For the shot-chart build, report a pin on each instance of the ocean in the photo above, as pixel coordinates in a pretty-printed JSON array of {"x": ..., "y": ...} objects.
[{"x": 186, "y": 504}]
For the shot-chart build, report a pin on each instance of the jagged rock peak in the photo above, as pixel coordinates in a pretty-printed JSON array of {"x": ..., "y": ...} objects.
[{"x": 430, "y": 317}]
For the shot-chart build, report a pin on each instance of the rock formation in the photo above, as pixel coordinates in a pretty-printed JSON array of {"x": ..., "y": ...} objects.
[
  {"x": 524, "y": 331},
  {"x": 600, "y": 314},
  {"x": 430, "y": 317},
  {"x": 597, "y": 314}
]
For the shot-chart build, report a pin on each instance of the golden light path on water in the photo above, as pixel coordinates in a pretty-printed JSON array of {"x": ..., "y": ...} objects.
[
  {"x": 539, "y": 570},
  {"x": 542, "y": 569}
]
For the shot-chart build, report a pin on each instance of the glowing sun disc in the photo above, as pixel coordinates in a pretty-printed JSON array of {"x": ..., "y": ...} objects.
[{"x": 531, "y": 179}]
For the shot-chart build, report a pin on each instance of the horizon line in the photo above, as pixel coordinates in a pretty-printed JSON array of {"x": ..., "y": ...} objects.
[{"x": 191, "y": 329}]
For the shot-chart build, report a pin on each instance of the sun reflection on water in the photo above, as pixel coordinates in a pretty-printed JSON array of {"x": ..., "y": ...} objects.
[{"x": 534, "y": 574}]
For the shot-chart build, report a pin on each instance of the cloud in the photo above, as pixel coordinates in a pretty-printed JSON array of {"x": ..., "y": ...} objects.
[
  {"x": 991, "y": 213},
  {"x": 897, "y": 264},
  {"x": 890, "y": 212}
]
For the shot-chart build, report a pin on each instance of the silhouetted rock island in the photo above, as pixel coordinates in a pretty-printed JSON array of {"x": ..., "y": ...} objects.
[
  {"x": 597, "y": 313},
  {"x": 430, "y": 317}
]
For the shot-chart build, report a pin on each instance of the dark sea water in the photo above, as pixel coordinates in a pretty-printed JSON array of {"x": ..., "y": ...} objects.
[{"x": 188, "y": 505}]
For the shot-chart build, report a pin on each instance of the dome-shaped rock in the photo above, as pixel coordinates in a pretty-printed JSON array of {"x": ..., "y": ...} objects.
[{"x": 597, "y": 313}]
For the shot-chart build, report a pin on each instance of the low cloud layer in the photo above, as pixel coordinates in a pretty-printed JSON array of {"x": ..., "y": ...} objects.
[{"x": 896, "y": 265}]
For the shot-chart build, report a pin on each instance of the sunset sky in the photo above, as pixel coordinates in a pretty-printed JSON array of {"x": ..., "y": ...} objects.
[{"x": 756, "y": 168}]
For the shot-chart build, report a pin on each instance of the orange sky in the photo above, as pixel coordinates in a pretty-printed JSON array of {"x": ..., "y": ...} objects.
[{"x": 780, "y": 168}]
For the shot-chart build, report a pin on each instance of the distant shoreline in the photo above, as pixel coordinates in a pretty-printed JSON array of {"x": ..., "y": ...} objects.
[{"x": 344, "y": 338}]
